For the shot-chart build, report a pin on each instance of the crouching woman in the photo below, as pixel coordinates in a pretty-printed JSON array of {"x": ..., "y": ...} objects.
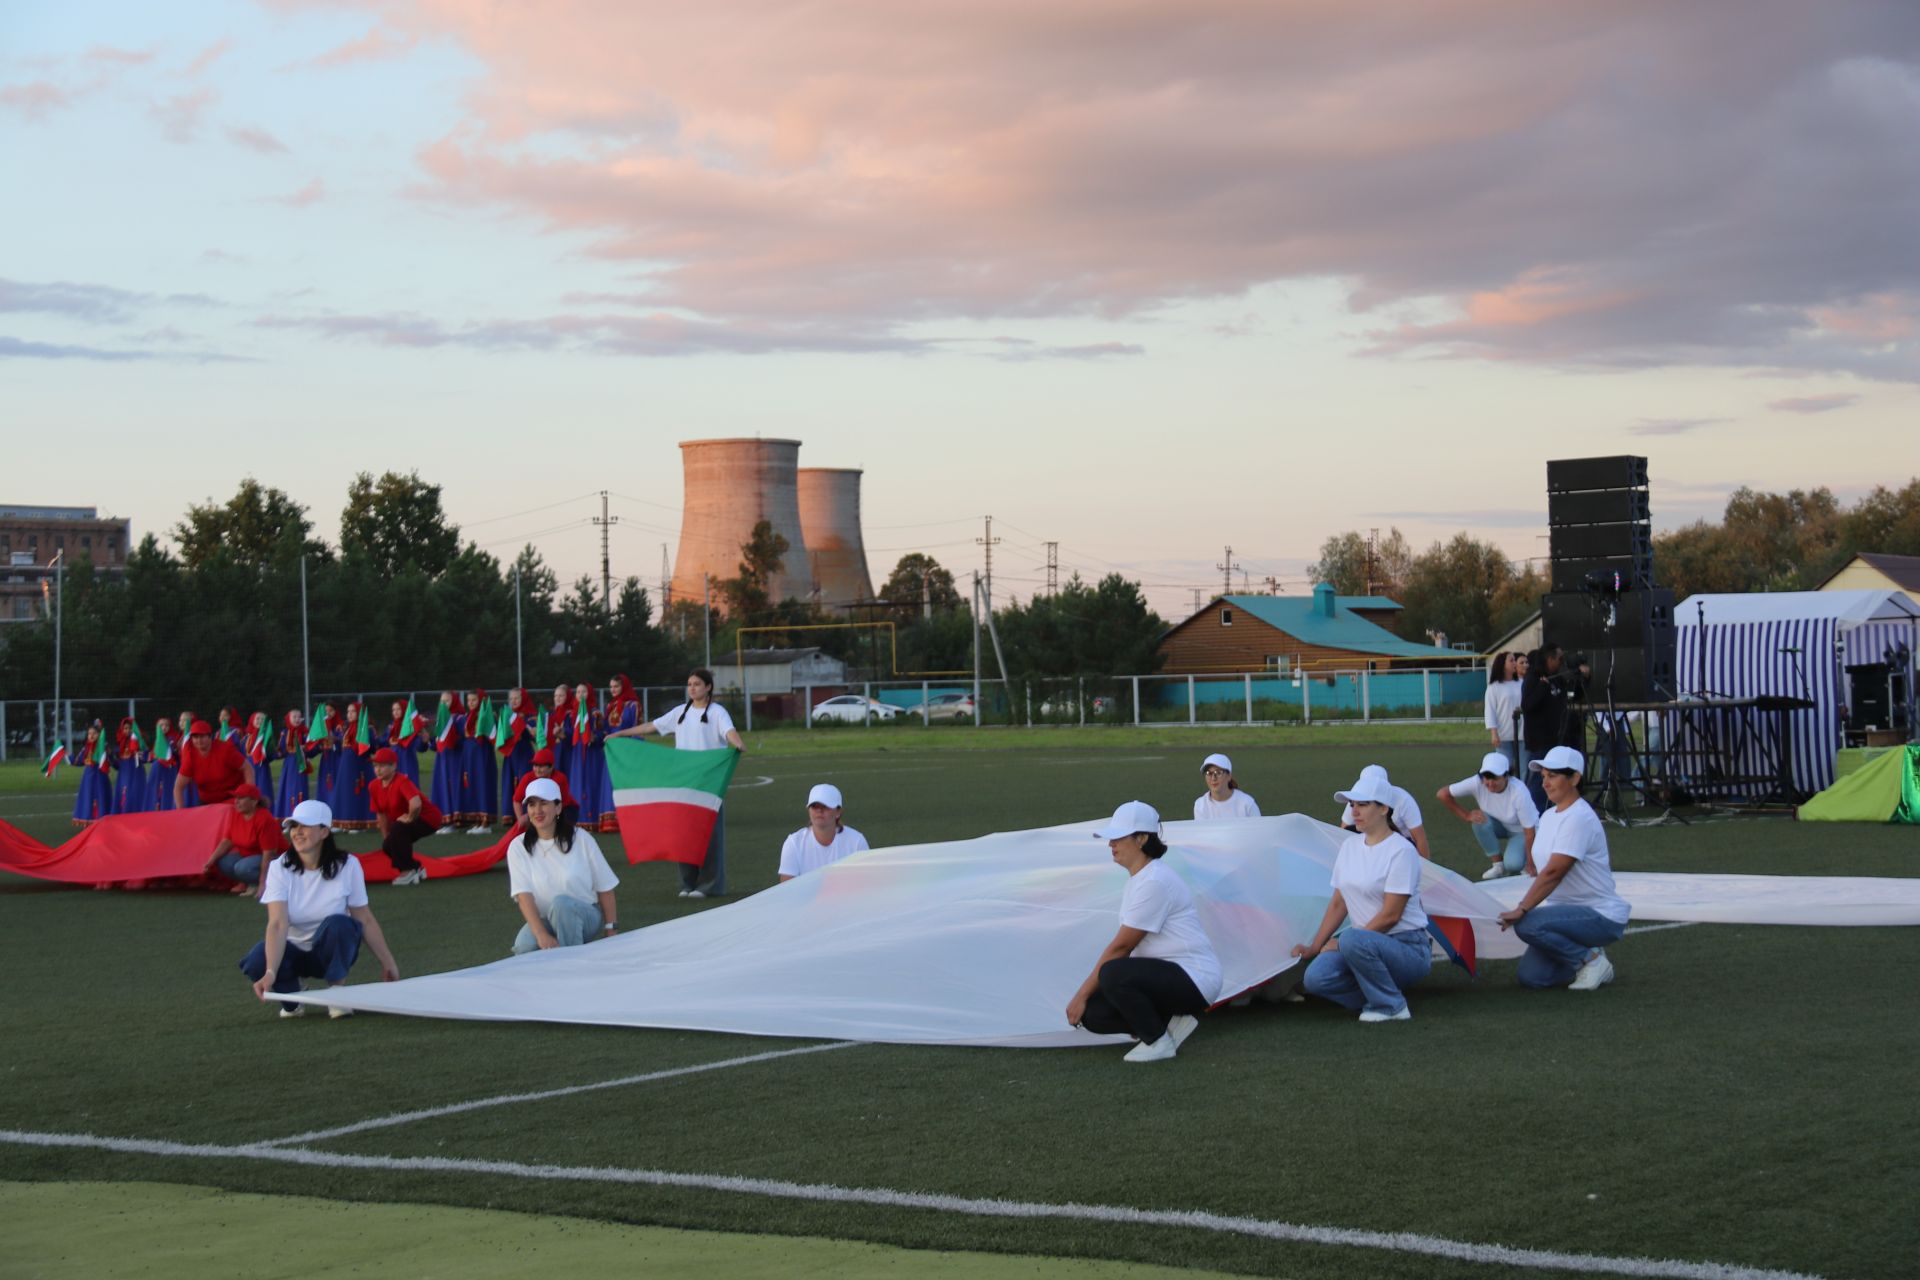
[
  {"x": 558, "y": 877},
  {"x": 1160, "y": 969},
  {"x": 1376, "y": 885},
  {"x": 317, "y": 914}
]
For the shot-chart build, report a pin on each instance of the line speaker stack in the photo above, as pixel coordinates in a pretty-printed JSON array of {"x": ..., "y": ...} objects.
[{"x": 1604, "y": 601}]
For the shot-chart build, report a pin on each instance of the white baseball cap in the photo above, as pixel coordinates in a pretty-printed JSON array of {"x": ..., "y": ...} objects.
[
  {"x": 824, "y": 793},
  {"x": 1376, "y": 772},
  {"x": 311, "y": 813},
  {"x": 1495, "y": 763},
  {"x": 1376, "y": 790},
  {"x": 1129, "y": 819},
  {"x": 1561, "y": 758},
  {"x": 1217, "y": 759},
  {"x": 544, "y": 789}
]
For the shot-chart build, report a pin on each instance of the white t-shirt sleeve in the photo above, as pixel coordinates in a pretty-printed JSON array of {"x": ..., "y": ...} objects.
[
  {"x": 1403, "y": 871},
  {"x": 856, "y": 842},
  {"x": 277, "y": 877},
  {"x": 1524, "y": 809},
  {"x": 1577, "y": 835},
  {"x": 1147, "y": 904},
  {"x": 356, "y": 882},
  {"x": 1200, "y": 807},
  {"x": 666, "y": 724},
  {"x": 1466, "y": 787},
  {"x": 790, "y": 853},
  {"x": 1407, "y": 811},
  {"x": 604, "y": 881},
  {"x": 519, "y": 869},
  {"x": 721, "y": 720},
  {"x": 1248, "y": 807}
]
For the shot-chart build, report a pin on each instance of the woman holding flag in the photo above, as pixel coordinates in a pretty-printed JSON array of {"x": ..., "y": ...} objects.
[
  {"x": 516, "y": 747},
  {"x": 347, "y": 796},
  {"x": 560, "y": 728},
  {"x": 129, "y": 769},
  {"x": 444, "y": 791},
  {"x": 623, "y": 712},
  {"x": 477, "y": 780},
  {"x": 261, "y": 751},
  {"x": 230, "y": 729},
  {"x": 403, "y": 737},
  {"x": 166, "y": 766},
  {"x": 296, "y": 771},
  {"x": 190, "y": 798},
  {"x": 699, "y": 724},
  {"x": 590, "y": 755},
  {"x": 95, "y": 798}
]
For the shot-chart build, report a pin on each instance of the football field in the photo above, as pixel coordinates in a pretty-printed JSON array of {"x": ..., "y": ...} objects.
[{"x": 1740, "y": 1101}]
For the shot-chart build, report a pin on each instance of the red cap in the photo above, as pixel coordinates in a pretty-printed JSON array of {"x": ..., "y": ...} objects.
[
  {"x": 543, "y": 756},
  {"x": 385, "y": 756},
  {"x": 247, "y": 791},
  {"x": 200, "y": 727}
]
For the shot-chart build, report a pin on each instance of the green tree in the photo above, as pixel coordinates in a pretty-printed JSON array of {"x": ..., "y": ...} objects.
[
  {"x": 917, "y": 581},
  {"x": 1103, "y": 629},
  {"x": 748, "y": 595},
  {"x": 397, "y": 522},
  {"x": 1451, "y": 590},
  {"x": 1343, "y": 563},
  {"x": 248, "y": 527},
  {"x": 1885, "y": 521}
]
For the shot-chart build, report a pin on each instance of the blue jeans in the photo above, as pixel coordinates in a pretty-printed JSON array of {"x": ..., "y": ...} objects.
[
  {"x": 1492, "y": 834},
  {"x": 1370, "y": 970},
  {"x": 1558, "y": 940},
  {"x": 569, "y": 920},
  {"x": 335, "y": 946},
  {"x": 710, "y": 877},
  {"x": 242, "y": 867}
]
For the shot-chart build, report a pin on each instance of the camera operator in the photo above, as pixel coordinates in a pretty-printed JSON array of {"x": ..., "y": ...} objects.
[{"x": 1544, "y": 714}]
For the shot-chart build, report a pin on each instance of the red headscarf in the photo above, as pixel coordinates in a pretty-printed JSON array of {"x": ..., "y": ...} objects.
[
  {"x": 234, "y": 723},
  {"x": 335, "y": 722},
  {"x": 620, "y": 700},
  {"x": 123, "y": 740},
  {"x": 292, "y": 738}
]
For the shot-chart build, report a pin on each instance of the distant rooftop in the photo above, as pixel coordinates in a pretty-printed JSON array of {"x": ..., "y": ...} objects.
[
  {"x": 49, "y": 513},
  {"x": 1297, "y": 616}
]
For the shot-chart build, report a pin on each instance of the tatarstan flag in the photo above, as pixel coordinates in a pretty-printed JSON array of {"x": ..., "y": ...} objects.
[
  {"x": 540, "y": 742},
  {"x": 667, "y": 800},
  {"x": 317, "y": 726},
  {"x": 55, "y": 760},
  {"x": 362, "y": 736},
  {"x": 139, "y": 743},
  {"x": 162, "y": 744},
  {"x": 443, "y": 728},
  {"x": 505, "y": 729},
  {"x": 99, "y": 760},
  {"x": 412, "y": 721}
]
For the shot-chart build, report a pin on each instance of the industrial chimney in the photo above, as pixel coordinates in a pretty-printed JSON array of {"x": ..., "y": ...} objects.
[
  {"x": 830, "y": 519},
  {"x": 731, "y": 485}
]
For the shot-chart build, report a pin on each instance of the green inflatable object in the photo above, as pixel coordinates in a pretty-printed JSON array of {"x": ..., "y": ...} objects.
[{"x": 1885, "y": 789}]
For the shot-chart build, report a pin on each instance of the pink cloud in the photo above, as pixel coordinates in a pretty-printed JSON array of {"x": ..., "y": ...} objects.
[
  {"x": 34, "y": 100},
  {"x": 179, "y": 116},
  {"x": 205, "y": 59},
  {"x": 119, "y": 57},
  {"x": 311, "y": 194},
  {"x": 256, "y": 140},
  {"x": 378, "y": 43},
  {"x": 1814, "y": 404}
]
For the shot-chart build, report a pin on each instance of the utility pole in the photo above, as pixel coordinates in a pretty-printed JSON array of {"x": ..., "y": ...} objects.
[
  {"x": 519, "y": 659},
  {"x": 606, "y": 522},
  {"x": 1053, "y": 568},
  {"x": 63, "y": 727},
  {"x": 666, "y": 584},
  {"x": 1273, "y": 585},
  {"x": 306, "y": 663},
  {"x": 706, "y": 614},
  {"x": 1373, "y": 556},
  {"x": 1196, "y": 598},
  {"x": 989, "y": 542},
  {"x": 1226, "y": 568}
]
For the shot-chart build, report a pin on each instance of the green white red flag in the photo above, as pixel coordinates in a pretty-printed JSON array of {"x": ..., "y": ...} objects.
[
  {"x": 54, "y": 760},
  {"x": 540, "y": 742},
  {"x": 443, "y": 728},
  {"x": 667, "y": 800},
  {"x": 483, "y": 725},
  {"x": 362, "y": 737},
  {"x": 162, "y": 744},
  {"x": 99, "y": 760},
  {"x": 505, "y": 730},
  {"x": 317, "y": 726}
]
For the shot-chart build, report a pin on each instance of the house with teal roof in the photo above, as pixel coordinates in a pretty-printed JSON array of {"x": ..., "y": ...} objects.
[{"x": 1321, "y": 632}]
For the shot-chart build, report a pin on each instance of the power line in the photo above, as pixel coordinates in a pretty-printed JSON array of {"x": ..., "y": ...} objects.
[{"x": 515, "y": 515}]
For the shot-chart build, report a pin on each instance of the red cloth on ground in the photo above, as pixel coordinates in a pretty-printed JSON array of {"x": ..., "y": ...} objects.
[
  {"x": 393, "y": 798},
  {"x": 120, "y": 847},
  {"x": 559, "y": 779},
  {"x": 259, "y": 834},
  {"x": 217, "y": 772}
]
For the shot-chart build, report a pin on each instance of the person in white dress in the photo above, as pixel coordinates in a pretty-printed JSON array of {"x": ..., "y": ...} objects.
[
  {"x": 1223, "y": 798},
  {"x": 698, "y": 724},
  {"x": 824, "y": 840},
  {"x": 317, "y": 915},
  {"x": 1160, "y": 970},
  {"x": 558, "y": 878}
]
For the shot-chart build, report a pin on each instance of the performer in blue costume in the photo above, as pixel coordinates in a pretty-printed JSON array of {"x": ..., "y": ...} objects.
[
  {"x": 444, "y": 791},
  {"x": 191, "y": 799},
  {"x": 405, "y": 739},
  {"x": 518, "y": 757},
  {"x": 95, "y": 798},
  {"x": 589, "y": 754},
  {"x": 129, "y": 759},
  {"x": 623, "y": 712},
  {"x": 162, "y": 773},
  {"x": 479, "y": 781},
  {"x": 347, "y": 797},
  {"x": 296, "y": 765},
  {"x": 262, "y": 748}
]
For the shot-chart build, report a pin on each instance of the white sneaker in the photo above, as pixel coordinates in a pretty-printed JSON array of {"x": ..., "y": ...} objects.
[
  {"x": 1180, "y": 1026},
  {"x": 478, "y": 831},
  {"x": 1597, "y": 972},
  {"x": 1374, "y": 1015},
  {"x": 1498, "y": 871},
  {"x": 1159, "y": 1051},
  {"x": 683, "y": 893},
  {"x": 335, "y": 1011},
  {"x": 298, "y": 1011},
  {"x": 696, "y": 893},
  {"x": 405, "y": 878},
  {"x": 445, "y": 831}
]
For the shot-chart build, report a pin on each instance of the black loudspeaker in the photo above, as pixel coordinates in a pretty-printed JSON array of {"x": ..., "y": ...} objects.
[
  {"x": 1870, "y": 702},
  {"x": 1639, "y": 675},
  {"x": 1634, "y": 573},
  {"x": 1601, "y": 541},
  {"x": 1600, "y": 506},
  {"x": 1571, "y": 475},
  {"x": 1579, "y": 621}
]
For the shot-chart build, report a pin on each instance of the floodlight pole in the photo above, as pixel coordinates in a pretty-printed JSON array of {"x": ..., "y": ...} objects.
[
  {"x": 306, "y": 665},
  {"x": 706, "y": 616},
  {"x": 519, "y": 658},
  {"x": 59, "y": 600}
]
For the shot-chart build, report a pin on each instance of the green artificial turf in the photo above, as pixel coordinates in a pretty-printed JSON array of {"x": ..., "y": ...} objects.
[{"x": 1739, "y": 1094}]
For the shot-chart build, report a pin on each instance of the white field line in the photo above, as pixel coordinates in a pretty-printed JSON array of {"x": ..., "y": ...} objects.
[
  {"x": 1188, "y": 1219},
  {"x": 1655, "y": 928},
  {"x": 513, "y": 1099}
]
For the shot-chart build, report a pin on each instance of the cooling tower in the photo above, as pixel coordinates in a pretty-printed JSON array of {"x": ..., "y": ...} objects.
[
  {"x": 730, "y": 486},
  {"x": 830, "y": 518}
]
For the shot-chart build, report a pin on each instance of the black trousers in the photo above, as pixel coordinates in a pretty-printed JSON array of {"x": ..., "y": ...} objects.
[
  {"x": 398, "y": 844},
  {"x": 1137, "y": 996}
]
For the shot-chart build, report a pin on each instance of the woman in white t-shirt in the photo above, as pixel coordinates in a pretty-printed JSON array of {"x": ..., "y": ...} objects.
[
  {"x": 1224, "y": 798},
  {"x": 824, "y": 840},
  {"x": 698, "y": 724},
  {"x": 1571, "y": 912},
  {"x": 317, "y": 914},
  {"x": 1505, "y": 821},
  {"x": 558, "y": 878},
  {"x": 1502, "y": 702},
  {"x": 1406, "y": 810},
  {"x": 1160, "y": 969},
  {"x": 1376, "y": 885}
]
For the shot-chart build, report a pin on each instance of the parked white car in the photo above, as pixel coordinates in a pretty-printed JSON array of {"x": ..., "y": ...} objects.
[
  {"x": 851, "y": 708},
  {"x": 950, "y": 705}
]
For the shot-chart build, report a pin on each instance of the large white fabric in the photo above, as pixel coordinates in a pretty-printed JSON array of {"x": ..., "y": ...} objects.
[
  {"x": 984, "y": 941},
  {"x": 1801, "y": 900}
]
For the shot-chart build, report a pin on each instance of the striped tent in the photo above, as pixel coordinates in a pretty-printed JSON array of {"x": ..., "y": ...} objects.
[{"x": 1795, "y": 644}]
